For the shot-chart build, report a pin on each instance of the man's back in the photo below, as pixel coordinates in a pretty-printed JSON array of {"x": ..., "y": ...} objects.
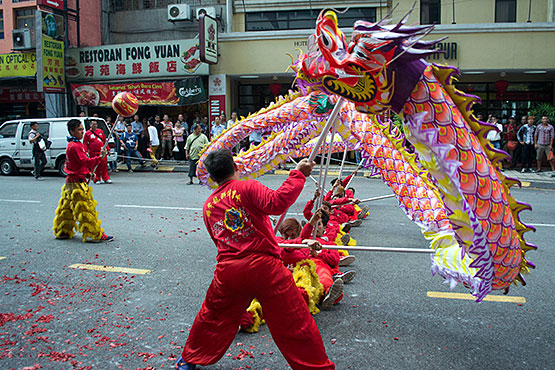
[{"x": 236, "y": 215}]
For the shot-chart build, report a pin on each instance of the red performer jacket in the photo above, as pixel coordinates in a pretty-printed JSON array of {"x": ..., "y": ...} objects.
[
  {"x": 78, "y": 164},
  {"x": 291, "y": 256},
  {"x": 236, "y": 215},
  {"x": 94, "y": 140}
]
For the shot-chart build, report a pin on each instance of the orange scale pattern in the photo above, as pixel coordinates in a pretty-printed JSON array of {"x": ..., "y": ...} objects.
[{"x": 479, "y": 181}]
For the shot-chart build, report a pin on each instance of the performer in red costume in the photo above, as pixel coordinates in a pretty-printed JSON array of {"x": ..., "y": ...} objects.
[
  {"x": 95, "y": 140},
  {"x": 76, "y": 209},
  {"x": 249, "y": 265}
]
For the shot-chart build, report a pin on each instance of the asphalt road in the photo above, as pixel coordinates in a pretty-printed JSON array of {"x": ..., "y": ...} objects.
[{"x": 56, "y": 317}]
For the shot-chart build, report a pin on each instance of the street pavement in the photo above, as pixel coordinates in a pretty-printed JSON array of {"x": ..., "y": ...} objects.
[{"x": 53, "y": 316}]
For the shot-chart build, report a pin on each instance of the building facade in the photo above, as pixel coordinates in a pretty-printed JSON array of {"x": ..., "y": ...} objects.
[{"x": 18, "y": 60}]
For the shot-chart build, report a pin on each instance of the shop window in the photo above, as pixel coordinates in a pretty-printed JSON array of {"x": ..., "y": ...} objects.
[
  {"x": 125, "y": 5},
  {"x": 44, "y": 129},
  {"x": 254, "y": 97},
  {"x": 1, "y": 23},
  {"x": 505, "y": 11},
  {"x": 24, "y": 18},
  {"x": 302, "y": 19},
  {"x": 516, "y": 100},
  {"x": 430, "y": 11},
  {"x": 8, "y": 130}
]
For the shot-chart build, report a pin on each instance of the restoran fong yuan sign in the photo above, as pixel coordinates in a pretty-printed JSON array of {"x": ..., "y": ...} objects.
[{"x": 130, "y": 61}]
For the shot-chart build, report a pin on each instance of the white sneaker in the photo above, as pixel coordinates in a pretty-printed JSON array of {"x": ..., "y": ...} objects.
[
  {"x": 333, "y": 294},
  {"x": 346, "y": 276},
  {"x": 100, "y": 182},
  {"x": 40, "y": 178},
  {"x": 109, "y": 181},
  {"x": 346, "y": 260}
]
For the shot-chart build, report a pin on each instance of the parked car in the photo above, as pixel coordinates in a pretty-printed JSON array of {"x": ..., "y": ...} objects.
[{"x": 17, "y": 153}]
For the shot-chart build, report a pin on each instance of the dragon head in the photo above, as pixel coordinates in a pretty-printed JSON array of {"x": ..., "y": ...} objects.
[{"x": 364, "y": 70}]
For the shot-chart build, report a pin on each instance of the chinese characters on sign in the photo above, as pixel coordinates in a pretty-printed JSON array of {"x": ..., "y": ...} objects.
[
  {"x": 53, "y": 77},
  {"x": 50, "y": 53},
  {"x": 127, "y": 61},
  {"x": 18, "y": 64},
  {"x": 208, "y": 36}
]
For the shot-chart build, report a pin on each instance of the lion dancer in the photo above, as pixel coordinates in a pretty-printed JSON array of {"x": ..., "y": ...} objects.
[
  {"x": 95, "y": 140},
  {"x": 76, "y": 210},
  {"x": 249, "y": 266}
]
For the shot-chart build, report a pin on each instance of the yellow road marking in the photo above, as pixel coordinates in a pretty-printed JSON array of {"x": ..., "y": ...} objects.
[
  {"x": 492, "y": 298},
  {"x": 2, "y": 258},
  {"x": 125, "y": 270},
  {"x": 525, "y": 184}
]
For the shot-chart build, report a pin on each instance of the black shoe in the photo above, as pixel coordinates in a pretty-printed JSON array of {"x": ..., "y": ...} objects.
[{"x": 182, "y": 365}]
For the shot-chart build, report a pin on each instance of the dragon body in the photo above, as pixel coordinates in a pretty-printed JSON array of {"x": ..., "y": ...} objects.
[{"x": 450, "y": 186}]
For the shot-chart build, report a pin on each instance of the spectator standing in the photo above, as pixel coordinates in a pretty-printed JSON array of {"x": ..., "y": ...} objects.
[
  {"x": 118, "y": 131},
  {"x": 255, "y": 138},
  {"x": 494, "y": 136},
  {"x": 195, "y": 142},
  {"x": 137, "y": 126},
  {"x": 204, "y": 125},
  {"x": 82, "y": 114},
  {"x": 525, "y": 136},
  {"x": 196, "y": 121},
  {"x": 217, "y": 128},
  {"x": 144, "y": 139},
  {"x": 39, "y": 158},
  {"x": 130, "y": 141},
  {"x": 543, "y": 141},
  {"x": 232, "y": 120},
  {"x": 510, "y": 141},
  {"x": 159, "y": 126},
  {"x": 154, "y": 142},
  {"x": 178, "y": 134},
  {"x": 167, "y": 133},
  {"x": 94, "y": 141},
  {"x": 182, "y": 120}
]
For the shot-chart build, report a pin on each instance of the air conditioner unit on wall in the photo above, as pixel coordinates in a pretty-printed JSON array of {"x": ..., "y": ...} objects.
[
  {"x": 22, "y": 39},
  {"x": 179, "y": 12},
  {"x": 208, "y": 10}
]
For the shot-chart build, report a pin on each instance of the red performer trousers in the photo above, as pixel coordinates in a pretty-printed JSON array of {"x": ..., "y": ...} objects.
[
  {"x": 236, "y": 282},
  {"x": 102, "y": 169}
]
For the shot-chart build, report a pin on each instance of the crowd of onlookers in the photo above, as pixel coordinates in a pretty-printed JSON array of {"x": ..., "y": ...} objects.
[
  {"x": 528, "y": 142},
  {"x": 160, "y": 138}
]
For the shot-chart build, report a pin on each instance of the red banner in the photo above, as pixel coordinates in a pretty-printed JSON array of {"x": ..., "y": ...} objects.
[
  {"x": 148, "y": 93},
  {"x": 20, "y": 96}
]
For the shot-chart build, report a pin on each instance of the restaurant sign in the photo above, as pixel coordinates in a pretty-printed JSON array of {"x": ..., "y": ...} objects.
[
  {"x": 184, "y": 92},
  {"x": 135, "y": 61}
]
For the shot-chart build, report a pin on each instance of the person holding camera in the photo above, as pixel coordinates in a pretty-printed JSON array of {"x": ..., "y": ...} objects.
[{"x": 39, "y": 157}]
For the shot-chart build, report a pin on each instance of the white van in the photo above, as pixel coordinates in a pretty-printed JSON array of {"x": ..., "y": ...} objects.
[{"x": 17, "y": 153}]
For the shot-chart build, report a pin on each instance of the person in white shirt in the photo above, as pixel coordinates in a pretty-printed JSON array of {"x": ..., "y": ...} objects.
[
  {"x": 217, "y": 128},
  {"x": 154, "y": 142},
  {"x": 494, "y": 136}
]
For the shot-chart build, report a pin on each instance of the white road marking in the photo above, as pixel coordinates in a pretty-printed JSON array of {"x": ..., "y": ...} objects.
[
  {"x": 546, "y": 225},
  {"x": 157, "y": 207},
  {"x": 19, "y": 201}
]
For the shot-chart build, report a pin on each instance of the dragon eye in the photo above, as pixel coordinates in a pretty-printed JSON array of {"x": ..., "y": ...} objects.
[{"x": 326, "y": 40}]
